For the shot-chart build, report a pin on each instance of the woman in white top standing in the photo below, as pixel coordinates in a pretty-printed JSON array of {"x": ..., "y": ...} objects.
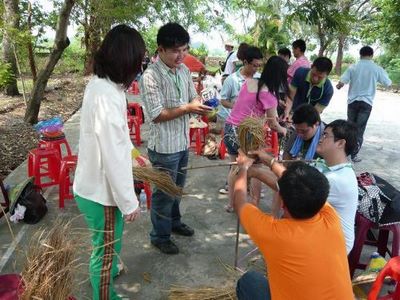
[{"x": 103, "y": 185}]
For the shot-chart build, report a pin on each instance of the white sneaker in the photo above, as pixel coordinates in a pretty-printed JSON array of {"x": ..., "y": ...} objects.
[{"x": 223, "y": 191}]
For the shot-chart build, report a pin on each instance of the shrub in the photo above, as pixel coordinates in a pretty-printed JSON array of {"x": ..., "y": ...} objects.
[
  {"x": 72, "y": 59},
  {"x": 349, "y": 59},
  {"x": 5, "y": 74},
  {"x": 200, "y": 51}
]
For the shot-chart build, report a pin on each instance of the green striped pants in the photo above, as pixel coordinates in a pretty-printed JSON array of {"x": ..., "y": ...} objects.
[{"x": 106, "y": 226}]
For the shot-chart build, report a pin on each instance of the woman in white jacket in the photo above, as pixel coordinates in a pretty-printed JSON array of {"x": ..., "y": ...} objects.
[{"x": 103, "y": 185}]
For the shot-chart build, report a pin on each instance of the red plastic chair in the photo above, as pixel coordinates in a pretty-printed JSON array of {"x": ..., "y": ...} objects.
[
  {"x": 144, "y": 185},
  {"x": 44, "y": 163},
  {"x": 57, "y": 144},
  {"x": 391, "y": 269},
  {"x": 222, "y": 147},
  {"x": 363, "y": 226},
  {"x": 134, "y": 88},
  {"x": 271, "y": 141},
  {"x": 10, "y": 287},
  {"x": 137, "y": 109},
  {"x": 134, "y": 129},
  {"x": 198, "y": 136},
  {"x": 68, "y": 163}
]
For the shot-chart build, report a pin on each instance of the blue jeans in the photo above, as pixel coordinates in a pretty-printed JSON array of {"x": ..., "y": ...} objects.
[
  {"x": 253, "y": 286},
  {"x": 230, "y": 139},
  {"x": 165, "y": 213},
  {"x": 358, "y": 112}
]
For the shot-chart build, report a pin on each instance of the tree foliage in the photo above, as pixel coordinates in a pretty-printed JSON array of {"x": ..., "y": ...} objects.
[{"x": 384, "y": 24}]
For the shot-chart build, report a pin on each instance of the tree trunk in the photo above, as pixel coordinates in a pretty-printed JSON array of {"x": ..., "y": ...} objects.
[
  {"x": 11, "y": 21},
  {"x": 31, "y": 55},
  {"x": 339, "y": 57},
  {"x": 60, "y": 43},
  {"x": 93, "y": 45},
  {"x": 92, "y": 39}
]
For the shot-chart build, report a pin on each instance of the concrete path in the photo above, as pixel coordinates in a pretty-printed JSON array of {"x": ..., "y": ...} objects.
[{"x": 201, "y": 258}]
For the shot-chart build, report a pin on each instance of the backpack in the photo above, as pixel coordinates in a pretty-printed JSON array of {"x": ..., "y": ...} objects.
[
  {"x": 378, "y": 200},
  {"x": 223, "y": 65},
  {"x": 30, "y": 196}
]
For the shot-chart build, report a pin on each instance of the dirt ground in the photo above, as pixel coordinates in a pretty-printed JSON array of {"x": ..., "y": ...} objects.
[{"x": 63, "y": 97}]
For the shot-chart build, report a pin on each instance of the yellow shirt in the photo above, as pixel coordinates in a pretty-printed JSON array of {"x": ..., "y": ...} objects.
[{"x": 306, "y": 259}]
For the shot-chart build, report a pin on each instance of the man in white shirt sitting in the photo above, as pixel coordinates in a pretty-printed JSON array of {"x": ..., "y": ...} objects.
[{"x": 338, "y": 141}]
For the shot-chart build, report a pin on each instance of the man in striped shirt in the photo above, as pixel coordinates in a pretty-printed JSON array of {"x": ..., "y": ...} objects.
[{"x": 169, "y": 97}]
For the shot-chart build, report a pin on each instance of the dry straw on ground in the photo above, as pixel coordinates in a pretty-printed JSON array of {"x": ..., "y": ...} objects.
[
  {"x": 206, "y": 293},
  {"x": 51, "y": 263},
  {"x": 251, "y": 134},
  {"x": 161, "y": 179},
  {"x": 226, "y": 292}
]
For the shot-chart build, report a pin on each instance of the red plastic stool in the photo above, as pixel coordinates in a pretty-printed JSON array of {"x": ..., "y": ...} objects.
[
  {"x": 144, "y": 185},
  {"x": 198, "y": 136},
  {"x": 222, "y": 147},
  {"x": 44, "y": 163},
  {"x": 137, "y": 109},
  {"x": 391, "y": 269},
  {"x": 134, "y": 129},
  {"x": 134, "y": 88},
  {"x": 57, "y": 144},
  {"x": 68, "y": 163},
  {"x": 363, "y": 226},
  {"x": 271, "y": 141},
  {"x": 205, "y": 120}
]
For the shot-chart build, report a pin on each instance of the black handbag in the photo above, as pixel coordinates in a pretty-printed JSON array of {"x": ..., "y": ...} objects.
[{"x": 30, "y": 196}]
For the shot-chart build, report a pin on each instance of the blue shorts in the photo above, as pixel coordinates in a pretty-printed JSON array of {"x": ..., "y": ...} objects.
[{"x": 230, "y": 139}]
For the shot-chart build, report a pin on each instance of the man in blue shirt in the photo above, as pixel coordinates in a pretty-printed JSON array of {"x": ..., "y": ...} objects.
[
  {"x": 311, "y": 86},
  {"x": 363, "y": 77}
]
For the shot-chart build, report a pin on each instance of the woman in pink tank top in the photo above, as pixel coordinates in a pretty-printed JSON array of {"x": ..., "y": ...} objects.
[{"x": 257, "y": 98}]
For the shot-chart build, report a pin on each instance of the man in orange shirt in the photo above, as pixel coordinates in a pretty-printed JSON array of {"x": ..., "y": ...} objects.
[{"x": 304, "y": 251}]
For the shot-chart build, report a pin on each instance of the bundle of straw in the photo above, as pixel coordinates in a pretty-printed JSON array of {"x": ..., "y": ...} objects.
[
  {"x": 205, "y": 293},
  {"x": 251, "y": 134},
  {"x": 50, "y": 268},
  {"x": 161, "y": 179}
]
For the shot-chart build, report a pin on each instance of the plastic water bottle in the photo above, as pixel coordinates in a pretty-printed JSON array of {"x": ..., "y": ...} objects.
[
  {"x": 142, "y": 201},
  {"x": 376, "y": 262}
]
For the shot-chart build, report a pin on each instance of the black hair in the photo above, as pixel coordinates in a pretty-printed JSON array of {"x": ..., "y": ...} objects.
[
  {"x": 306, "y": 113},
  {"x": 120, "y": 55},
  {"x": 345, "y": 130},
  {"x": 366, "y": 51},
  {"x": 285, "y": 52},
  {"x": 252, "y": 53},
  {"x": 301, "y": 44},
  {"x": 172, "y": 35},
  {"x": 323, "y": 64},
  {"x": 242, "y": 50},
  {"x": 274, "y": 76},
  {"x": 303, "y": 189}
]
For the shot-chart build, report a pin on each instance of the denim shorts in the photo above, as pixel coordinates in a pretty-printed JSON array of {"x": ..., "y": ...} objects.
[{"x": 230, "y": 139}]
